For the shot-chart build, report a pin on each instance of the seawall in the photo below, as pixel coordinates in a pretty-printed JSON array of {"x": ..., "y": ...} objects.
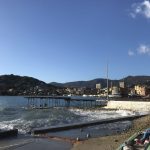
[
  {"x": 85, "y": 124},
  {"x": 129, "y": 105}
]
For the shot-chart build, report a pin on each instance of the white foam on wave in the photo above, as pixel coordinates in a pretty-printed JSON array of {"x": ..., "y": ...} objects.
[
  {"x": 102, "y": 114},
  {"x": 126, "y": 112},
  {"x": 97, "y": 114},
  {"x": 23, "y": 126},
  {"x": 27, "y": 123},
  {"x": 17, "y": 123},
  {"x": 129, "y": 112}
]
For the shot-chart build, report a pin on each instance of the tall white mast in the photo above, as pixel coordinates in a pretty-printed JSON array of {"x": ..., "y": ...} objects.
[{"x": 107, "y": 82}]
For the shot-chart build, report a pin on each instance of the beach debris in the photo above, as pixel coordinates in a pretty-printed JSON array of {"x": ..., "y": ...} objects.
[
  {"x": 127, "y": 146},
  {"x": 78, "y": 139},
  {"x": 88, "y": 135}
]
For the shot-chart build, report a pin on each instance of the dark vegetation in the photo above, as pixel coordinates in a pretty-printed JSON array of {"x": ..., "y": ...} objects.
[{"x": 23, "y": 85}]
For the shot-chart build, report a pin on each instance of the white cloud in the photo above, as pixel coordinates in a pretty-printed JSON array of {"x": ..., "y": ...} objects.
[
  {"x": 142, "y": 8},
  {"x": 131, "y": 53},
  {"x": 143, "y": 49}
]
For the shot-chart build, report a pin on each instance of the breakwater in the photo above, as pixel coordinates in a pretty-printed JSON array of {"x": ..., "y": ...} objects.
[
  {"x": 143, "y": 106},
  {"x": 86, "y": 124}
]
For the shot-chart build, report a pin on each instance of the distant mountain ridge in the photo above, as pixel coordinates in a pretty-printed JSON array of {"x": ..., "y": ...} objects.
[
  {"x": 130, "y": 81},
  {"x": 20, "y": 83}
]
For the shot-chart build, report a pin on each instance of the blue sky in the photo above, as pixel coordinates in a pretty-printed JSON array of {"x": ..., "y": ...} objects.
[{"x": 70, "y": 40}]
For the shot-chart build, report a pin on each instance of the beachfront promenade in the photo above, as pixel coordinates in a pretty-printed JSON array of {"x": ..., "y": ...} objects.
[{"x": 45, "y": 102}]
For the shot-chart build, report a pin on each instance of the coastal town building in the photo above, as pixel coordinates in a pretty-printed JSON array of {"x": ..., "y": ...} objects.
[
  {"x": 98, "y": 86},
  {"x": 115, "y": 90},
  {"x": 142, "y": 90},
  {"x": 122, "y": 84},
  {"x": 132, "y": 91}
]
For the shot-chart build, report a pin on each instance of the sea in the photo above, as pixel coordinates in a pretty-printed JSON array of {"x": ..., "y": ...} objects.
[{"x": 14, "y": 114}]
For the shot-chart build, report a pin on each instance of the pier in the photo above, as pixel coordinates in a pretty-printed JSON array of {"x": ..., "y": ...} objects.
[{"x": 45, "y": 102}]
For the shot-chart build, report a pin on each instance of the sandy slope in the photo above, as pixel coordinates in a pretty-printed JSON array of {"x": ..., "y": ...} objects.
[{"x": 112, "y": 142}]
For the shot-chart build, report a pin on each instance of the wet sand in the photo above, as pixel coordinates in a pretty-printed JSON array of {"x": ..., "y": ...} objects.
[{"x": 113, "y": 142}]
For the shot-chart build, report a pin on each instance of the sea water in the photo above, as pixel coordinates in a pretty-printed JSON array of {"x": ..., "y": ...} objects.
[{"x": 14, "y": 114}]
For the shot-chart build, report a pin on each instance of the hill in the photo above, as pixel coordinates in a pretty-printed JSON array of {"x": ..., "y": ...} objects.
[
  {"x": 130, "y": 81},
  {"x": 134, "y": 80},
  {"x": 22, "y": 85}
]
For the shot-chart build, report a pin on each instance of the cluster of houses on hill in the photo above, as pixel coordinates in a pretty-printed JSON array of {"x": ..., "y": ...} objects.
[
  {"x": 123, "y": 91},
  {"x": 22, "y": 85},
  {"x": 120, "y": 90},
  {"x": 113, "y": 91}
]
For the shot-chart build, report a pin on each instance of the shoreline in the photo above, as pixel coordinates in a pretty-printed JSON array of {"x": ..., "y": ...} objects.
[
  {"x": 101, "y": 143},
  {"x": 110, "y": 142}
]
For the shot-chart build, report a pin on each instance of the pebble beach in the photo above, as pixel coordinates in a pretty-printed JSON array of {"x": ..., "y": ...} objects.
[{"x": 112, "y": 142}]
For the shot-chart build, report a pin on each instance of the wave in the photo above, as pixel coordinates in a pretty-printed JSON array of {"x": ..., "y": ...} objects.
[
  {"x": 96, "y": 114},
  {"x": 26, "y": 120}
]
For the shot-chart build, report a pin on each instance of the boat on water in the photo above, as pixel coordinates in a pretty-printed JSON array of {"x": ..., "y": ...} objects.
[{"x": 138, "y": 141}]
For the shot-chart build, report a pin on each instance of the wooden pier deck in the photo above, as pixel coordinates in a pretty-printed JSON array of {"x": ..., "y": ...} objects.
[{"x": 45, "y": 102}]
